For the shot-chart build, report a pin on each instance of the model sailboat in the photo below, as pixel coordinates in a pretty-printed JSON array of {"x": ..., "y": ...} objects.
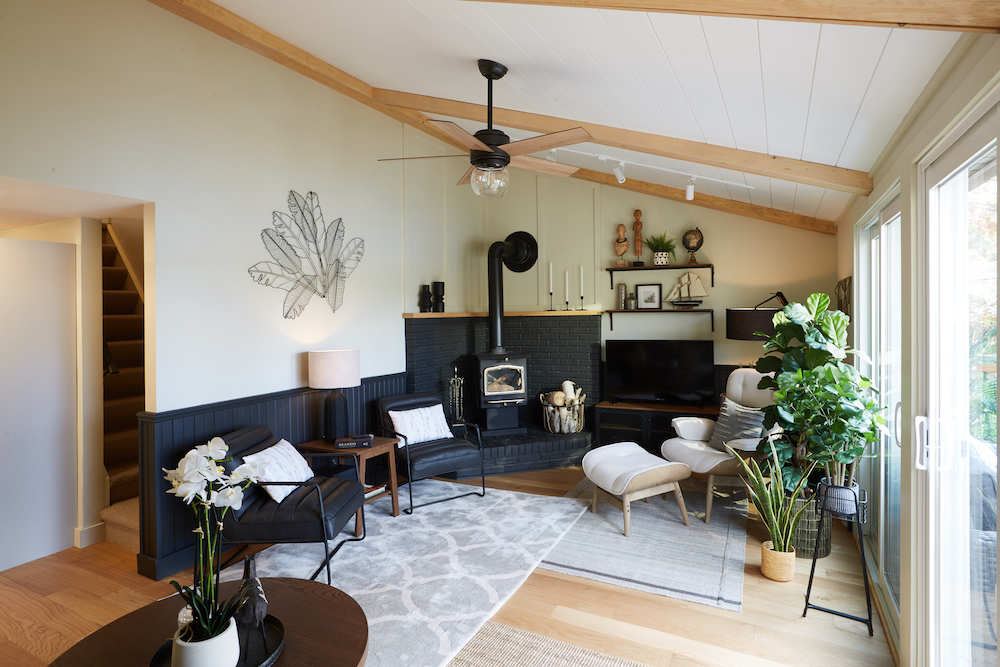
[{"x": 688, "y": 292}]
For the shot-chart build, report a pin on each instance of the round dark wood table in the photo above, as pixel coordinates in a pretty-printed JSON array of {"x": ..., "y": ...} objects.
[{"x": 323, "y": 626}]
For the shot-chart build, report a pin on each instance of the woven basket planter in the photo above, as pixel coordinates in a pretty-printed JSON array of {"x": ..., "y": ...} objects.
[
  {"x": 804, "y": 538},
  {"x": 563, "y": 419},
  {"x": 776, "y": 565}
]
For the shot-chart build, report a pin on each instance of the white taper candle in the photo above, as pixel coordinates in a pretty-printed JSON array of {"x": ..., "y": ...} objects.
[
  {"x": 550, "y": 277},
  {"x": 581, "y": 281},
  {"x": 567, "y": 287}
]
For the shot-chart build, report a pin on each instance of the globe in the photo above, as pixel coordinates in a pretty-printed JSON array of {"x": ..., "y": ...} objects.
[{"x": 692, "y": 240}]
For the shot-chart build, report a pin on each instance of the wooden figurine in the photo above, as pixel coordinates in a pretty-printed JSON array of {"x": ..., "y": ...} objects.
[
  {"x": 637, "y": 228},
  {"x": 621, "y": 246}
]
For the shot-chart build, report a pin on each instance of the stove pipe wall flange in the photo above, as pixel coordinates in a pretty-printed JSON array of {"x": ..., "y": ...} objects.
[{"x": 518, "y": 252}]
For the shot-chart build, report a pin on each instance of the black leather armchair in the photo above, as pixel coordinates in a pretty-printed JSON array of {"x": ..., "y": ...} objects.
[
  {"x": 435, "y": 457},
  {"x": 316, "y": 511}
]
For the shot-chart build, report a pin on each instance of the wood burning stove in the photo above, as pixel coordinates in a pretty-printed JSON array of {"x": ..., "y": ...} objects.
[{"x": 502, "y": 380}]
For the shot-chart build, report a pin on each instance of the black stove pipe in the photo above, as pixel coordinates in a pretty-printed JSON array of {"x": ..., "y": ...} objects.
[{"x": 519, "y": 252}]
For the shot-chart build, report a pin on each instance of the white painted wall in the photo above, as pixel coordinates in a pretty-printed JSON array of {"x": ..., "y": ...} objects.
[
  {"x": 216, "y": 136},
  {"x": 38, "y": 487},
  {"x": 87, "y": 378}
]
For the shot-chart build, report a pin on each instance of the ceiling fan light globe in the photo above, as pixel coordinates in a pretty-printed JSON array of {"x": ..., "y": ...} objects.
[{"x": 490, "y": 183}]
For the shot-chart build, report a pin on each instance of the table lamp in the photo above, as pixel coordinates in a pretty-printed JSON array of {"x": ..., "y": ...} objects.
[
  {"x": 334, "y": 369},
  {"x": 743, "y": 323}
]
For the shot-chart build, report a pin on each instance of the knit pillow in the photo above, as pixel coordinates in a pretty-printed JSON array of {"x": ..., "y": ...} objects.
[
  {"x": 421, "y": 424},
  {"x": 736, "y": 422},
  {"x": 284, "y": 464}
]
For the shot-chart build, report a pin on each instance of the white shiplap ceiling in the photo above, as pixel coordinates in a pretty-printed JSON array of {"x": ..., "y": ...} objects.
[{"x": 822, "y": 93}]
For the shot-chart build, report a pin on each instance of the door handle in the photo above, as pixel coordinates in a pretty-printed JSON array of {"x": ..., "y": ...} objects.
[
  {"x": 922, "y": 447},
  {"x": 895, "y": 423}
]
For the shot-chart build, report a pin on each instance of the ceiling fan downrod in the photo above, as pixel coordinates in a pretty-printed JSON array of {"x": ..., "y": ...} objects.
[{"x": 492, "y": 71}]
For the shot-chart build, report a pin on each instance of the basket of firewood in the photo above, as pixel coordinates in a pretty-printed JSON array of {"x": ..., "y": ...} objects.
[{"x": 562, "y": 411}]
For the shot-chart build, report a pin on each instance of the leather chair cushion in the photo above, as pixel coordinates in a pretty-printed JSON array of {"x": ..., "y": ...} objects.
[
  {"x": 296, "y": 518},
  {"x": 429, "y": 459},
  {"x": 700, "y": 457},
  {"x": 693, "y": 428},
  {"x": 625, "y": 466}
]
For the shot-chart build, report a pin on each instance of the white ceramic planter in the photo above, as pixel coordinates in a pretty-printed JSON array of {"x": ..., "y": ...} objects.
[
  {"x": 661, "y": 258},
  {"x": 220, "y": 651}
]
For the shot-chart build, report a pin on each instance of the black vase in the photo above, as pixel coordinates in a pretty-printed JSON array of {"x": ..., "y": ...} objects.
[
  {"x": 424, "y": 300},
  {"x": 437, "y": 292}
]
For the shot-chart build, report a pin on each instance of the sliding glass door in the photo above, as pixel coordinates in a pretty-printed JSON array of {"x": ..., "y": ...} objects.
[
  {"x": 878, "y": 331},
  {"x": 956, "y": 436}
]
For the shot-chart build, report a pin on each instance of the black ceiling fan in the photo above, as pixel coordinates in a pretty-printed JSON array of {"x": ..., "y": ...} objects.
[{"x": 490, "y": 149}]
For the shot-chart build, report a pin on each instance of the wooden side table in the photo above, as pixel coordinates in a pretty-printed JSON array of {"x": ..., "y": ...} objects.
[{"x": 379, "y": 446}]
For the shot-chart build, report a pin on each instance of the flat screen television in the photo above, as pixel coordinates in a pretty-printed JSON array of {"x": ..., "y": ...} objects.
[{"x": 676, "y": 372}]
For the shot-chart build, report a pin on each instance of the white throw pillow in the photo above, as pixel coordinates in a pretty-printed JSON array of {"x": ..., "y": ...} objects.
[
  {"x": 284, "y": 464},
  {"x": 421, "y": 424}
]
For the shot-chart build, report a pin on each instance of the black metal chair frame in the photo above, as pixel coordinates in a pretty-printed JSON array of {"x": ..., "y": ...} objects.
[
  {"x": 859, "y": 517},
  {"x": 322, "y": 514},
  {"x": 409, "y": 468}
]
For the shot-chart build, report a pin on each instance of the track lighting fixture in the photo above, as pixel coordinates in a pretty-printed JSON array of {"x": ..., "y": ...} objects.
[
  {"x": 551, "y": 157},
  {"x": 619, "y": 172},
  {"x": 689, "y": 191}
]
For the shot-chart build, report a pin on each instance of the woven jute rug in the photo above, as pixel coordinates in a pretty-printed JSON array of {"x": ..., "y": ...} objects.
[
  {"x": 700, "y": 563},
  {"x": 498, "y": 645}
]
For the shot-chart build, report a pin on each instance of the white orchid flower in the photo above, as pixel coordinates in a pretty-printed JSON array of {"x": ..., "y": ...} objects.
[
  {"x": 231, "y": 496},
  {"x": 247, "y": 472},
  {"x": 188, "y": 490},
  {"x": 216, "y": 448}
]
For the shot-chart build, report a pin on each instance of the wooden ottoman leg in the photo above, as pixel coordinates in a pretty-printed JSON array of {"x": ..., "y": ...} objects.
[
  {"x": 680, "y": 502},
  {"x": 626, "y": 512},
  {"x": 593, "y": 503}
]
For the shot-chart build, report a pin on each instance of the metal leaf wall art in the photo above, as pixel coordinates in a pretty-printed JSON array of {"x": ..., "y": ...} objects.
[{"x": 310, "y": 257}]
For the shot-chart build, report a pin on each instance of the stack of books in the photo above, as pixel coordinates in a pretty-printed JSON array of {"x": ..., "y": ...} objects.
[{"x": 373, "y": 490}]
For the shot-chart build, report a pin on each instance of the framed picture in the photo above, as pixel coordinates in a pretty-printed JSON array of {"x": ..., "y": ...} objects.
[{"x": 649, "y": 296}]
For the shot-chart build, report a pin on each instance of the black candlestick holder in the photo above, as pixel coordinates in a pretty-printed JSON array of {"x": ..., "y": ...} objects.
[
  {"x": 567, "y": 304},
  {"x": 581, "y": 303},
  {"x": 551, "y": 309}
]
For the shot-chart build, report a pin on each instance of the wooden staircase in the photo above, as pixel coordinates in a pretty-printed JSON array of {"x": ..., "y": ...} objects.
[{"x": 124, "y": 396}]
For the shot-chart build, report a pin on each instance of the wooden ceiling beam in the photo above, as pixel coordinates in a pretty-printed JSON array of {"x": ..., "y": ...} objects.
[
  {"x": 786, "y": 169},
  {"x": 953, "y": 15},
  {"x": 222, "y": 22},
  {"x": 715, "y": 203}
]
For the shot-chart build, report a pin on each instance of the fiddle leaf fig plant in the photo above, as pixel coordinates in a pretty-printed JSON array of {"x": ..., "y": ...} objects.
[{"x": 826, "y": 408}]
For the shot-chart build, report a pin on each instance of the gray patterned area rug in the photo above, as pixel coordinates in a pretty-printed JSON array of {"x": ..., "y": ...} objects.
[
  {"x": 700, "y": 563},
  {"x": 498, "y": 645},
  {"x": 429, "y": 581}
]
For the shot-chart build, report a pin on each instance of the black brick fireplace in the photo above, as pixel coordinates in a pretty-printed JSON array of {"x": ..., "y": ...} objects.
[{"x": 557, "y": 347}]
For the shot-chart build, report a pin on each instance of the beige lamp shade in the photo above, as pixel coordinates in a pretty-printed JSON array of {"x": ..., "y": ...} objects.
[{"x": 334, "y": 369}]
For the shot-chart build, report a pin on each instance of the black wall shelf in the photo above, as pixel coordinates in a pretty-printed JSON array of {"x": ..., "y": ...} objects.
[
  {"x": 611, "y": 313},
  {"x": 657, "y": 268}
]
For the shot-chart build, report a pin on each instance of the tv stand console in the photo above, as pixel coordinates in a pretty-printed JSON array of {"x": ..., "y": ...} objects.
[{"x": 645, "y": 423}]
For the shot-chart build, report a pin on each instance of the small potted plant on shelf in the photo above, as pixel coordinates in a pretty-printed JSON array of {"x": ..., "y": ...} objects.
[
  {"x": 826, "y": 408},
  {"x": 661, "y": 247},
  {"x": 777, "y": 510}
]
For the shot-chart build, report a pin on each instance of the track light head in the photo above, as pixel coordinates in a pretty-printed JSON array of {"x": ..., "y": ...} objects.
[
  {"x": 551, "y": 157},
  {"x": 619, "y": 172},
  {"x": 689, "y": 190}
]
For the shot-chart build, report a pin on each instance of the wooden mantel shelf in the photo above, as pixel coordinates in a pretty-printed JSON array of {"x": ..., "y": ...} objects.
[{"x": 528, "y": 313}]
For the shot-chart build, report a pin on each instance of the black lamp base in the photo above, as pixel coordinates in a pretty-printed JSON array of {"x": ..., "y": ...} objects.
[{"x": 335, "y": 416}]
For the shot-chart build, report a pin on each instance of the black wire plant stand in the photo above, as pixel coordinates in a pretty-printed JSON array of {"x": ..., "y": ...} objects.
[{"x": 848, "y": 503}]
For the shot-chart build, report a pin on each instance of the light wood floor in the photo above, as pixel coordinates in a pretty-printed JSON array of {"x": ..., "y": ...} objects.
[{"x": 51, "y": 603}]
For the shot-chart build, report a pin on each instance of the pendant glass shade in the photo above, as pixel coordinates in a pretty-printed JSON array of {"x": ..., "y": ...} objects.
[{"x": 490, "y": 183}]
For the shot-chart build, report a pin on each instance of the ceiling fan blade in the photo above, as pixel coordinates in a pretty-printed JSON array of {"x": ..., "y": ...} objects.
[
  {"x": 467, "y": 178},
  {"x": 543, "y": 166},
  {"x": 459, "y": 135},
  {"x": 547, "y": 141},
  {"x": 419, "y": 157}
]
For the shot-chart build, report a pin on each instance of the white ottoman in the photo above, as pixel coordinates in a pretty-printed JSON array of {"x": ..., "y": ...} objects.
[{"x": 624, "y": 472}]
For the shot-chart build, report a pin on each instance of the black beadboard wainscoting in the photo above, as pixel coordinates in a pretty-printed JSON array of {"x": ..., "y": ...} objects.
[
  {"x": 166, "y": 542},
  {"x": 557, "y": 348}
]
